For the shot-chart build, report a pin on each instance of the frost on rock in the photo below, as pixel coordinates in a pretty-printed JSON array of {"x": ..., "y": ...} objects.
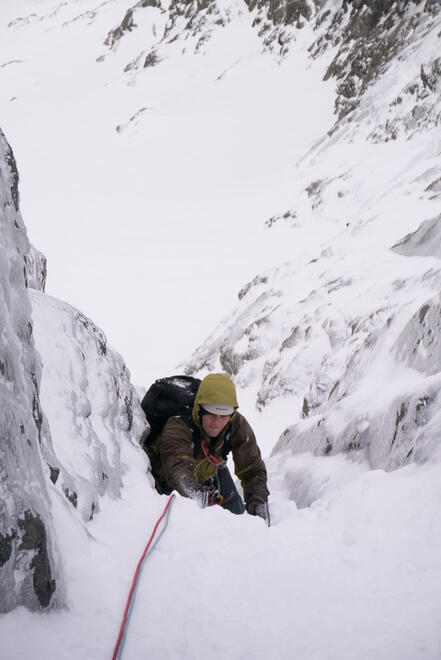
[
  {"x": 29, "y": 572},
  {"x": 419, "y": 344},
  {"x": 92, "y": 408},
  {"x": 36, "y": 269},
  {"x": 390, "y": 421},
  {"x": 369, "y": 37},
  {"x": 128, "y": 23},
  {"x": 416, "y": 108}
]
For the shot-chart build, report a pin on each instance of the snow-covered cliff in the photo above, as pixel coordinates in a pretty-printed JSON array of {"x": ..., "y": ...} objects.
[
  {"x": 320, "y": 331},
  {"x": 69, "y": 416},
  {"x": 30, "y": 572},
  {"x": 93, "y": 410},
  {"x": 347, "y": 331}
]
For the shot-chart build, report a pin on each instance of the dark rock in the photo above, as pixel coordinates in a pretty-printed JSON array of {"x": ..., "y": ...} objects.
[
  {"x": 290, "y": 215},
  {"x": 259, "y": 279},
  {"x": 34, "y": 538},
  {"x": 6, "y": 547},
  {"x": 305, "y": 408},
  {"x": 152, "y": 59},
  {"x": 129, "y": 410},
  {"x": 422, "y": 313},
  {"x": 230, "y": 362},
  {"x": 401, "y": 414},
  {"x": 72, "y": 497},
  {"x": 292, "y": 340},
  {"x": 54, "y": 474},
  {"x": 127, "y": 25},
  {"x": 370, "y": 34}
]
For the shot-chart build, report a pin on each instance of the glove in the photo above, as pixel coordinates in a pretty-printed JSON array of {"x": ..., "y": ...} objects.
[{"x": 256, "y": 507}]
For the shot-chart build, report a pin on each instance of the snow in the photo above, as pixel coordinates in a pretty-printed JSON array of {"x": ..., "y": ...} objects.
[
  {"x": 356, "y": 572},
  {"x": 151, "y": 230},
  {"x": 89, "y": 401}
]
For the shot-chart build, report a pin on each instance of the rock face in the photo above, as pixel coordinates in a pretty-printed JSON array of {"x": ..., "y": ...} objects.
[
  {"x": 29, "y": 570},
  {"x": 365, "y": 35},
  {"x": 403, "y": 427},
  {"x": 356, "y": 356},
  {"x": 361, "y": 41},
  {"x": 369, "y": 36},
  {"x": 69, "y": 414},
  {"x": 181, "y": 26}
]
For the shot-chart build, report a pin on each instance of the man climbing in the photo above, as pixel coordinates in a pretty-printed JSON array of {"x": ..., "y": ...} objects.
[{"x": 193, "y": 451}]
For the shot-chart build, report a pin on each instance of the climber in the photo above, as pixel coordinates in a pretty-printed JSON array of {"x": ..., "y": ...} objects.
[{"x": 193, "y": 451}]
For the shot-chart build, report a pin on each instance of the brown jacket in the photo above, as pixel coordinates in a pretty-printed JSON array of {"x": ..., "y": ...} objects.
[{"x": 185, "y": 466}]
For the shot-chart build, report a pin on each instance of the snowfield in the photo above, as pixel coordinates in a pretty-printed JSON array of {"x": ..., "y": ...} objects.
[{"x": 355, "y": 573}]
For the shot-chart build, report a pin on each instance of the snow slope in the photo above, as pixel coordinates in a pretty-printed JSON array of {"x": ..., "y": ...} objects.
[
  {"x": 340, "y": 337},
  {"x": 338, "y": 331},
  {"x": 356, "y": 573}
]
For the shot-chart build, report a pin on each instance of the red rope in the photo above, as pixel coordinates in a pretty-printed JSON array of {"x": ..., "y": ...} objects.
[
  {"x": 212, "y": 459},
  {"x": 135, "y": 578}
]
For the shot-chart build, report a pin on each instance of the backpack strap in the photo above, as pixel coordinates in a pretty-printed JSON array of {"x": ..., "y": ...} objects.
[
  {"x": 196, "y": 434},
  {"x": 227, "y": 445}
]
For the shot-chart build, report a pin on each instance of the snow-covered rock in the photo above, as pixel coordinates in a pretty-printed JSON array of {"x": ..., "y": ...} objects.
[
  {"x": 70, "y": 418},
  {"x": 365, "y": 38},
  {"x": 30, "y": 572},
  {"x": 92, "y": 408},
  {"x": 424, "y": 242},
  {"x": 347, "y": 332},
  {"x": 187, "y": 24}
]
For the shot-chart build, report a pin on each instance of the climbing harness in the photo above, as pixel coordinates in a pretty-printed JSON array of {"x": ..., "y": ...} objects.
[
  {"x": 212, "y": 495},
  {"x": 117, "y": 653}
]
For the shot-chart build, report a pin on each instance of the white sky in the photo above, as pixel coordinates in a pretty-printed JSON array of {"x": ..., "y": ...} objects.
[{"x": 152, "y": 232}]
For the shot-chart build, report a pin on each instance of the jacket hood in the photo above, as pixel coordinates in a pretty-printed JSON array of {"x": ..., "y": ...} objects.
[{"x": 215, "y": 388}]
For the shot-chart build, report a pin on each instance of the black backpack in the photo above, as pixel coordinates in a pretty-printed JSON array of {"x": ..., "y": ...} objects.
[{"x": 166, "y": 398}]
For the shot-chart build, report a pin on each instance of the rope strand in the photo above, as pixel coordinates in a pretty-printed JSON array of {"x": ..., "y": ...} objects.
[{"x": 131, "y": 599}]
